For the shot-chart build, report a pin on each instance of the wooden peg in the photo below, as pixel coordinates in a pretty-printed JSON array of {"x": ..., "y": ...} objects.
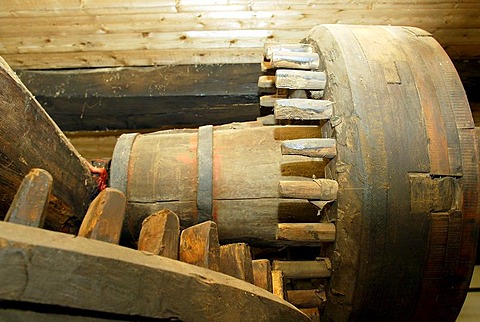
[
  {"x": 304, "y": 269},
  {"x": 317, "y": 189},
  {"x": 236, "y": 261},
  {"x": 278, "y": 284},
  {"x": 199, "y": 245},
  {"x": 31, "y": 200},
  {"x": 303, "y": 109},
  {"x": 262, "y": 274},
  {"x": 296, "y": 60},
  {"x": 319, "y": 148},
  {"x": 104, "y": 218},
  {"x": 306, "y": 234},
  {"x": 160, "y": 234},
  {"x": 300, "y": 79}
]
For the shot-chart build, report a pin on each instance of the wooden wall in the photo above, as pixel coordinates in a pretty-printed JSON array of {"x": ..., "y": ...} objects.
[{"x": 42, "y": 34}]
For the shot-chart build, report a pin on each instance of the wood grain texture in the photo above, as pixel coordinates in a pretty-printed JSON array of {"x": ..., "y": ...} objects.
[
  {"x": 320, "y": 268},
  {"x": 236, "y": 261},
  {"x": 300, "y": 79},
  {"x": 199, "y": 246},
  {"x": 307, "y": 234},
  {"x": 107, "y": 278},
  {"x": 278, "y": 284},
  {"x": 316, "y": 189},
  {"x": 319, "y": 148},
  {"x": 302, "y": 109},
  {"x": 262, "y": 274}
]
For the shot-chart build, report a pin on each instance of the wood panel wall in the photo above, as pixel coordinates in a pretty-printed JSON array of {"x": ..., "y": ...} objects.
[{"x": 50, "y": 34}]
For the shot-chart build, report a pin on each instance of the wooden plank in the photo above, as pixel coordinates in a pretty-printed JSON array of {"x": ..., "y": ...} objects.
[
  {"x": 308, "y": 233},
  {"x": 303, "y": 109},
  {"x": 236, "y": 261},
  {"x": 102, "y": 277},
  {"x": 29, "y": 138},
  {"x": 278, "y": 284},
  {"x": 320, "y": 148},
  {"x": 30, "y": 203},
  {"x": 320, "y": 268},
  {"x": 295, "y": 60},
  {"x": 316, "y": 189},
  {"x": 299, "y": 79},
  {"x": 160, "y": 234},
  {"x": 306, "y": 298},
  {"x": 199, "y": 246},
  {"x": 104, "y": 218},
  {"x": 262, "y": 274}
]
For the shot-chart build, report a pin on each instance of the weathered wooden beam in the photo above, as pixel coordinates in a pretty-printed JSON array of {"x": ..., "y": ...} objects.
[
  {"x": 104, "y": 218},
  {"x": 319, "y": 148},
  {"x": 320, "y": 268},
  {"x": 308, "y": 233},
  {"x": 199, "y": 246},
  {"x": 278, "y": 284},
  {"x": 296, "y": 60},
  {"x": 31, "y": 200},
  {"x": 271, "y": 48},
  {"x": 316, "y": 189},
  {"x": 160, "y": 234},
  {"x": 302, "y": 109},
  {"x": 306, "y": 298},
  {"x": 262, "y": 274},
  {"x": 30, "y": 139},
  {"x": 64, "y": 271},
  {"x": 236, "y": 261},
  {"x": 300, "y": 79}
]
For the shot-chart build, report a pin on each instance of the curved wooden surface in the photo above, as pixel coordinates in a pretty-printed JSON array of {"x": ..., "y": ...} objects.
[
  {"x": 50, "y": 268},
  {"x": 405, "y": 142}
]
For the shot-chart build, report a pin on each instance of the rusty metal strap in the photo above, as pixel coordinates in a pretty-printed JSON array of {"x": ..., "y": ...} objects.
[{"x": 205, "y": 173}]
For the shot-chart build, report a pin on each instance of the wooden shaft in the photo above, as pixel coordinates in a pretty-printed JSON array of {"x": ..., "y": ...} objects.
[
  {"x": 31, "y": 200},
  {"x": 300, "y": 79},
  {"x": 318, "y": 189},
  {"x": 236, "y": 261},
  {"x": 319, "y": 148},
  {"x": 303, "y": 109},
  {"x": 262, "y": 274},
  {"x": 199, "y": 246},
  {"x": 304, "y": 269},
  {"x": 306, "y": 298},
  {"x": 310, "y": 233},
  {"x": 297, "y": 60},
  {"x": 160, "y": 234}
]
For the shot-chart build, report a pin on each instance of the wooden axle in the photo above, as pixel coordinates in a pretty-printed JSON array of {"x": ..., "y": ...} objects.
[
  {"x": 307, "y": 234},
  {"x": 300, "y": 79},
  {"x": 319, "y": 148},
  {"x": 302, "y": 60},
  {"x": 304, "y": 269},
  {"x": 317, "y": 189},
  {"x": 303, "y": 109}
]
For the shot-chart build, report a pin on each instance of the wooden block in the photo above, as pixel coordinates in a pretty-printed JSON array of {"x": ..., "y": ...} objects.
[
  {"x": 313, "y": 313},
  {"x": 316, "y": 189},
  {"x": 300, "y": 79},
  {"x": 278, "y": 284},
  {"x": 303, "y": 109},
  {"x": 306, "y": 234},
  {"x": 160, "y": 234},
  {"x": 270, "y": 49},
  {"x": 268, "y": 100},
  {"x": 236, "y": 261},
  {"x": 104, "y": 217},
  {"x": 199, "y": 245},
  {"x": 306, "y": 298},
  {"x": 31, "y": 200},
  {"x": 266, "y": 81},
  {"x": 319, "y": 148},
  {"x": 320, "y": 268},
  {"x": 262, "y": 274},
  {"x": 296, "y": 60}
]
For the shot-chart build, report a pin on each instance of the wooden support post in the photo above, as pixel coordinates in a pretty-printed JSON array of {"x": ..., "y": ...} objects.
[
  {"x": 199, "y": 245},
  {"x": 271, "y": 48},
  {"x": 297, "y": 60},
  {"x": 236, "y": 261},
  {"x": 104, "y": 218},
  {"x": 308, "y": 233},
  {"x": 317, "y": 189},
  {"x": 262, "y": 274},
  {"x": 303, "y": 109},
  {"x": 313, "y": 313},
  {"x": 320, "y": 268},
  {"x": 319, "y": 148},
  {"x": 306, "y": 298},
  {"x": 160, "y": 234},
  {"x": 278, "y": 284},
  {"x": 31, "y": 200},
  {"x": 300, "y": 79}
]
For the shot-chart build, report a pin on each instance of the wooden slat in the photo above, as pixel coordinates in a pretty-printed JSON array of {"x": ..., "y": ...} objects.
[
  {"x": 262, "y": 274},
  {"x": 303, "y": 269},
  {"x": 320, "y": 148},
  {"x": 307, "y": 234},
  {"x": 104, "y": 217},
  {"x": 199, "y": 246},
  {"x": 160, "y": 234},
  {"x": 295, "y": 60},
  {"x": 298, "y": 79},
  {"x": 278, "y": 284},
  {"x": 29, "y": 206},
  {"x": 317, "y": 189},
  {"x": 306, "y": 298},
  {"x": 236, "y": 261},
  {"x": 303, "y": 109}
]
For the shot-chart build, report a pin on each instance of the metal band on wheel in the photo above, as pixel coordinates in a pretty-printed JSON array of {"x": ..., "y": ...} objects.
[{"x": 205, "y": 173}]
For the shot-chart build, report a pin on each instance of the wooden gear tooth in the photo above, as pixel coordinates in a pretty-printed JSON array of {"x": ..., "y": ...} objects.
[
  {"x": 295, "y": 60},
  {"x": 272, "y": 48},
  {"x": 300, "y": 79},
  {"x": 303, "y": 109},
  {"x": 318, "y": 148},
  {"x": 306, "y": 234}
]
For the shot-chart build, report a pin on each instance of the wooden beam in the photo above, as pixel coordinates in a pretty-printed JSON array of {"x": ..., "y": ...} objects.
[
  {"x": 304, "y": 269},
  {"x": 306, "y": 298},
  {"x": 104, "y": 218},
  {"x": 262, "y": 274},
  {"x": 160, "y": 234},
  {"x": 319, "y": 148},
  {"x": 317, "y": 189},
  {"x": 236, "y": 261},
  {"x": 31, "y": 200},
  {"x": 199, "y": 246},
  {"x": 308, "y": 233},
  {"x": 102, "y": 277},
  {"x": 302, "y": 109},
  {"x": 300, "y": 79}
]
